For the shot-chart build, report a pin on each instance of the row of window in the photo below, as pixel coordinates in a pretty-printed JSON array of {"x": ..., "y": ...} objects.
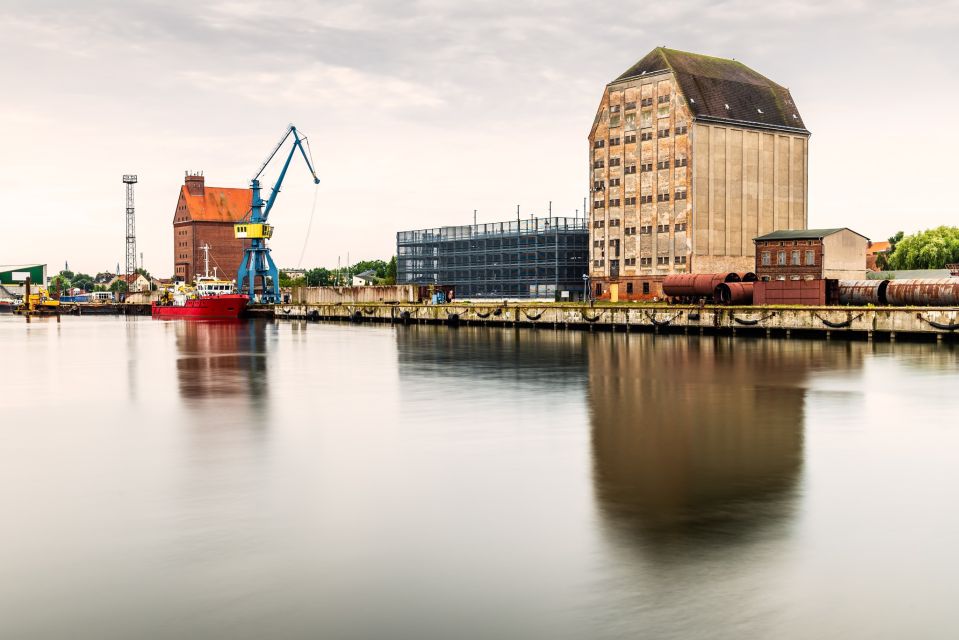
[
  {"x": 644, "y": 102},
  {"x": 680, "y": 194},
  {"x": 643, "y": 167},
  {"x": 643, "y": 137},
  {"x": 794, "y": 261},
  {"x": 662, "y": 261},
  {"x": 643, "y": 229}
]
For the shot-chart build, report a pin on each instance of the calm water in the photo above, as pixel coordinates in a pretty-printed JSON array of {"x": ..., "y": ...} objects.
[{"x": 258, "y": 480}]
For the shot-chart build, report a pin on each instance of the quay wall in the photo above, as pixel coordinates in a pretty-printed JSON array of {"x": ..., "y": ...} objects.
[{"x": 824, "y": 321}]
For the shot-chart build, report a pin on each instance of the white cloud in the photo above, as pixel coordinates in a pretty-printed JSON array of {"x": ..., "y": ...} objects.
[{"x": 422, "y": 111}]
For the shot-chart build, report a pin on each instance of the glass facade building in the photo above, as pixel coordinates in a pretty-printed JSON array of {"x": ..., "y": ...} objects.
[{"x": 520, "y": 259}]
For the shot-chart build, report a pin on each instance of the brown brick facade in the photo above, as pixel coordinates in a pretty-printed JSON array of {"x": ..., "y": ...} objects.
[
  {"x": 789, "y": 259},
  {"x": 205, "y": 216}
]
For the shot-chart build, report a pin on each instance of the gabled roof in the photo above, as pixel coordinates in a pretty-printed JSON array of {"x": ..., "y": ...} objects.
[
  {"x": 880, "y": 246},
  {"x": 723, "y": 90},
  {"x": 804, "y": 234},
  {"x": 129, "y": 278},
  {"x": 218, "y": 204}
]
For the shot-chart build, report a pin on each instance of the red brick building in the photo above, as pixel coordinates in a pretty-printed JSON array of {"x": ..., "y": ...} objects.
[
  {"x": 811, "y": 254},
  {"x": 205, "y": 215}
]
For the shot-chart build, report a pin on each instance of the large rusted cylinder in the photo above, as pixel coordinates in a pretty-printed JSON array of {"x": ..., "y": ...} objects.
[
  {"x": 734, "y": 293},
  {"x": 748, "y": 276},
  {"x": 863, "y": 292},
  {"x": 695, "y": 285},
  {"x": 943, "y": 292},
  {"x": 679, "y": 286}
]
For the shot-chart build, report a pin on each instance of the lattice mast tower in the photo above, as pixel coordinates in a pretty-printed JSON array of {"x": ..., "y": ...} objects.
[{"x": 129, "y": 180}]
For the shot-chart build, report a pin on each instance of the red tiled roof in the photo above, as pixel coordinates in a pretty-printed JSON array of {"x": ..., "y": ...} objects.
[
  {"x": 877, "y": 247},
  {"x": 218, "y": 204}
]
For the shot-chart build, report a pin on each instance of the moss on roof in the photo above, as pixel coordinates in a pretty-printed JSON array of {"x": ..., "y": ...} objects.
[{"x": 722, "y": 89}]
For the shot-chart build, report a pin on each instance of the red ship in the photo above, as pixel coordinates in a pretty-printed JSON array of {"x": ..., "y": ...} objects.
[
  {"x": 209, "y": 298},
  {"x": 202, "y": 307}
]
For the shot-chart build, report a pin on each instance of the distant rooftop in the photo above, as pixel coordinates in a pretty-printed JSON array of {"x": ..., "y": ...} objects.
[
  {"x": 804, "y": 234},
  {"x": 513, "y": 227}
]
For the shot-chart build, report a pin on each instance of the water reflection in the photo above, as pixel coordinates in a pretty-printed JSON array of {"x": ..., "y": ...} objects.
[
  {"x": 549, "y": 359},
  {"x": 222, "y": 358},
  {"x": 700, "y": 439}
]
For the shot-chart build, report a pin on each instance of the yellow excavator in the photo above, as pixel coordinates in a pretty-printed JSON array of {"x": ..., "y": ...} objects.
[{"x": 37, "y": 302}]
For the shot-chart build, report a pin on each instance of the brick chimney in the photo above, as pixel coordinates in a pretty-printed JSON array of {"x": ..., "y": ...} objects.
[{"x": 194, "y": 183}]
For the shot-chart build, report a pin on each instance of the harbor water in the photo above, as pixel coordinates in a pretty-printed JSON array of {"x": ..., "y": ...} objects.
[{"x": 302, "y": 480}]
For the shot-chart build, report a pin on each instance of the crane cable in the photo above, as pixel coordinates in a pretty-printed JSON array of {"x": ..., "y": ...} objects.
[{"x": 309, "y": 226}]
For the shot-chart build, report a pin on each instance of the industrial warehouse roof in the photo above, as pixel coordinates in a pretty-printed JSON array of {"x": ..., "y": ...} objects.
[
  {"x": 804, "y": 234},
  {"x": 723, "y": 90},
  {"x": 218, "y": 204},
  {"x": 20, "y": 267}
]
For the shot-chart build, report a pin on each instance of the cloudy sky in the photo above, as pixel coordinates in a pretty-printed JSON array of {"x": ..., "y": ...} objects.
[{"x": 420, "y": 112}]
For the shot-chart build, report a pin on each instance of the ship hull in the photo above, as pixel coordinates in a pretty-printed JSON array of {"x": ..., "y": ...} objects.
[{"x": 211, "y": 307}]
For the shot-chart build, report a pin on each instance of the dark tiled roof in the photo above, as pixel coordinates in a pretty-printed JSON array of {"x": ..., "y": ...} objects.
[
  {"x": 721, "y": 89},
  {"x": 803, "y": 234}
]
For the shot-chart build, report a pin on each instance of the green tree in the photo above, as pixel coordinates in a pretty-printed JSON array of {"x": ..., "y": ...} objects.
[
  {"x": 319, "y": 277},
  {"x": 377, "y": 266},
  {"x": 143, "y": 272},
  {"x": 930, "y": 249},
  {"x": 390, "y": 276},
  {"x": 58, "y": 284},
  {"x": 287, "y": 281},
  {"x": 82, "y": 281},
  {"x": 119, "y": 286}
]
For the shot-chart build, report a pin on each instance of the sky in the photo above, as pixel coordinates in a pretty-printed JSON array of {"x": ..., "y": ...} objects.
[{"x": 418, "y": 113}]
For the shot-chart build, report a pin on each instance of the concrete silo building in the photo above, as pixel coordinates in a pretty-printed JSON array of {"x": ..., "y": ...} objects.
[{"x": 691, "y": 157}]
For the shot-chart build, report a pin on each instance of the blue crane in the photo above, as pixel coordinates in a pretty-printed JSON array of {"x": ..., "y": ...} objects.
[{"x": 257, "y": 262}]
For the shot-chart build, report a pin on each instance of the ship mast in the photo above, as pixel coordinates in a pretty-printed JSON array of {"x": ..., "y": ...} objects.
[{"x": 206, "y": 260}]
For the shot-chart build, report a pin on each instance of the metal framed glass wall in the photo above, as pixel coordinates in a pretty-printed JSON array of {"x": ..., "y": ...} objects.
[{"x": 518, "y": 259}]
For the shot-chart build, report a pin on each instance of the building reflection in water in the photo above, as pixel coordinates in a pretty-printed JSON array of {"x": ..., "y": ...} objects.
[
  {"x": 552, "y": 360},
  {"x": 222, "y": 358},
  {"x": 699, "y": 439}
]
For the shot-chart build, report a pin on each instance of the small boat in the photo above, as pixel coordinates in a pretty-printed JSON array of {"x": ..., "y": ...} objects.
[{"x": 209, "y": 298}]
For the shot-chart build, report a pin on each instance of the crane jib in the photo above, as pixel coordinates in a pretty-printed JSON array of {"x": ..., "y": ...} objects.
[{"x": 257, "y": 264}]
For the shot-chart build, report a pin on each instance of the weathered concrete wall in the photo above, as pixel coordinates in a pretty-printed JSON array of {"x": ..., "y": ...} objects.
[
  {"x": 844, "y": 256},
  {"x": 824, "y": 320},
  {"x": 640, "y": 180},
  {"x": 339, "y": 295},
  {"x": 746, "y": 183}
]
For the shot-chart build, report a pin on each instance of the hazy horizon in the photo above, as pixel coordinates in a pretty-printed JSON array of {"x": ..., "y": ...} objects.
[{"x": 420, "y": 113}]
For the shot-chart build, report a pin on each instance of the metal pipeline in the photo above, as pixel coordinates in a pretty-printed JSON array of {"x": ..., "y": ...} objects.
[
  {"x": 943, "y": 292},
  {"x": 695, "y": 285},
  {"x": 734, "y": 293},
  {"x": 863, "y": 292}
]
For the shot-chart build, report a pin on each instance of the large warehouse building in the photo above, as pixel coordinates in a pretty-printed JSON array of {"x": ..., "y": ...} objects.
[
  {"x": 205, "y": 216},
  {"x": 12, "y": 276},
  {"x": 538, "y": 258},
  {"x": 691, "y": 157}
]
